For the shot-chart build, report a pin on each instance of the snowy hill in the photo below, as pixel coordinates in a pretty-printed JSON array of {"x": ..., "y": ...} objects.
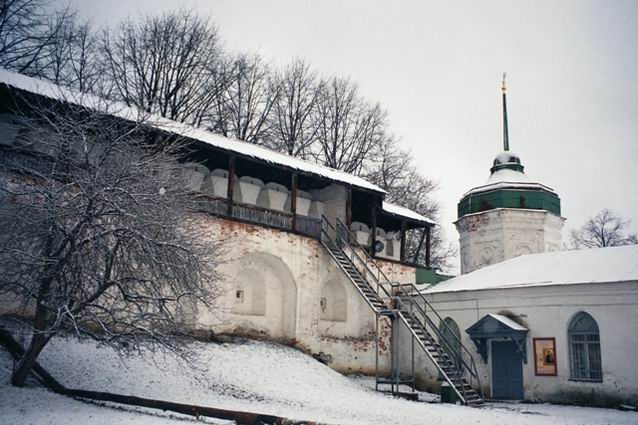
[{"x": 249, "y": 376}]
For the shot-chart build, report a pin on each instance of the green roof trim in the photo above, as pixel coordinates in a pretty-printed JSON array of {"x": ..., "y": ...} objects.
[
  {"x": 509, "y": 198},
  {"x": 430, "y": 276}
]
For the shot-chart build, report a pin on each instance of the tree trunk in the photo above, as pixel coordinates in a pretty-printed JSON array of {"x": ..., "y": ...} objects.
[
  {"x": 38, "y": 341},
  {"x": 41, "y": 336}
]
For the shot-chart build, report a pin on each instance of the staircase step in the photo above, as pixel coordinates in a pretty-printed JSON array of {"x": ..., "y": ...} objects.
[{"x": 415, "y": 323}]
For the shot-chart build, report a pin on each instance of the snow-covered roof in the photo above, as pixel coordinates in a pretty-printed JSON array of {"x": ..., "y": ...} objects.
[
  {"x": 53, "y": 91},
  {"x": 601, "y": 265},
  {"x": 506, "y": 175},
  {"x": 508, "y": 322},
  {"x": 508, "y": 179},
  {"x": 395, "y": 209}
]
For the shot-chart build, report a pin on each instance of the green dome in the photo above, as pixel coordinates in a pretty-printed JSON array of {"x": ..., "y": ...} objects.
[{"x": 508, "y": 187}]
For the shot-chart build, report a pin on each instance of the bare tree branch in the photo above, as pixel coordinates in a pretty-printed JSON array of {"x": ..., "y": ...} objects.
[
  {"x": 293, "y": 128},
  {"x": 100, "y": 237},
  {"x": 166, "y": 65},
  {"x": 607, "y": 228}
]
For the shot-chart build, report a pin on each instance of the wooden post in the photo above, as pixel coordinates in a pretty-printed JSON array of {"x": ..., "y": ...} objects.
[
  {"x": 402, "y": 249},
  {"x": 293, "y": 200},
  {"x": 373, "y": 230},
  {"x": 418, "y": 249},
  {"x": 348, "y": 206},
  {"x": 231, "y": 184},
  {"x": 427, "y": 246}
]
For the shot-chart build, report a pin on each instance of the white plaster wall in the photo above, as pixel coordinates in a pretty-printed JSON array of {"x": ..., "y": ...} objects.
[
  {"x": 334, "y": 199},
  {"x": 493, "y": 236},
  {"x": 294, "y": 268},
  {"x": 546, "y": 312}
]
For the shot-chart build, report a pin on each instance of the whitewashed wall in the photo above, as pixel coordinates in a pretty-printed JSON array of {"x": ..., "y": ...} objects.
[
  {"x": 546, "y": 312},
  {"x": 493, "y": 236},
  {"x": 334, "y": 198},
  {"x": 283, "y": 277}
]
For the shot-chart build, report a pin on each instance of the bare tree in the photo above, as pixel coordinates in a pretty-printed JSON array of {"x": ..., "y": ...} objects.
[
  {"x": 392, "y": 169},
  {"x": 293, "y": 129},
  {"x": 243, "y": 110},
  {"x": 97, "y": 232},
  {"x": 348, "y": 128},
  {"x": 607, "y": 228},
  {"x": 26, "y": 31},
  {"x": 73, "y": 56},
  {"x": 165, "y": 64}
]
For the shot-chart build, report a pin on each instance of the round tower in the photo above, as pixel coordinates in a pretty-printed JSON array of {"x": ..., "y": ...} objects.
[{"x": 509, "y": 215}]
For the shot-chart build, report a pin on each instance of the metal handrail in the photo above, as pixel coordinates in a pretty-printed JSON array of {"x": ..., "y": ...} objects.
[
  {"x": 368, "y": 270},
  {"x": 448, "y": 347},
  {"x": 471, "y": 368},
  {"x": 324, "y": 233},
  {"x": 341, "y": 231},
  {"x": 462, "y": 393},
  {"x": 427, "y": 304},
  {"x": 352, "y": 240}
]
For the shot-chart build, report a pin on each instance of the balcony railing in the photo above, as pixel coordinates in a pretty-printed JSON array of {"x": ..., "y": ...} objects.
[{"x": 249, "y": 213}]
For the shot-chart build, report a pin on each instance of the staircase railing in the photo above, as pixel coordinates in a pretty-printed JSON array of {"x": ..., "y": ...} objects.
[
  {"x": 461, "y": 357},
  {"x": 406, "y": 298},
  {"x": 416, "y": 325},
  {"x": 359, "y": 257}
]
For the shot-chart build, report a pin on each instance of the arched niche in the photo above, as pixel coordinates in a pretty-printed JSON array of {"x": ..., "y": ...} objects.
[
  {"x": 250, "y": 293},
  {"x": 270, "y": 295},
  {"x": 333, "y": 302}
]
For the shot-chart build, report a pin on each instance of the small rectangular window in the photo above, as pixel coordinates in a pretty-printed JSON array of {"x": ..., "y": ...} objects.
[
  {"x": 239, "y": 296},
  {"x": 323, "y": 302}
]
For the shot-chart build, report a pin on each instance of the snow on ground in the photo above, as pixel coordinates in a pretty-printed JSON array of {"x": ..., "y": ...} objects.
[
  {"x": 250, "y": 376},
  {"x": 35, "y": 405}
]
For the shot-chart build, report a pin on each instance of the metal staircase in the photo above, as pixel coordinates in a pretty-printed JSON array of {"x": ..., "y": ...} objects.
[{"x": 404, "y": 303}]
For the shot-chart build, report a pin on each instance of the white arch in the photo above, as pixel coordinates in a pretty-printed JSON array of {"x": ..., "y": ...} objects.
[
  {"x": 270, "y": 297},
  {"x": 333, "y": 302}
]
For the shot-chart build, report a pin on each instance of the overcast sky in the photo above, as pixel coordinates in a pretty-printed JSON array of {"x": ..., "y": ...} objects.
[{"x": 436, "y": 66}]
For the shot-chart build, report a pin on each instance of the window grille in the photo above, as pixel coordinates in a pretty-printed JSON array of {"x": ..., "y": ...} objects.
[{"x": 584, "y": 347}]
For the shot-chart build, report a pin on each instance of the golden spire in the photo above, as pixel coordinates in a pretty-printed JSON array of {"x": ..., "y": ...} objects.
[{"x": 503, "y": 87}]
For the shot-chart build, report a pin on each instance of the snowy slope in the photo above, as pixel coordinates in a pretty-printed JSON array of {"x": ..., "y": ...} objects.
[
  {"x": 38, "y": 406},
  {"x": 254, "y": 376}
]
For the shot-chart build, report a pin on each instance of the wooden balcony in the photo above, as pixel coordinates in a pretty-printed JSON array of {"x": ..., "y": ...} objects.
[{"x": 253, "y": 214}]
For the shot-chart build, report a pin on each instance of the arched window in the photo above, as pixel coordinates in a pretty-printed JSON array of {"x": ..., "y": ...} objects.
[
  {"x": 452, "y": 335},
  {"x": 584, "y": 348}
]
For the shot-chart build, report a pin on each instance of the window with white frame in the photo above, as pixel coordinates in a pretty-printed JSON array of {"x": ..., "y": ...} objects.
[{"x": 584, "y": 349}]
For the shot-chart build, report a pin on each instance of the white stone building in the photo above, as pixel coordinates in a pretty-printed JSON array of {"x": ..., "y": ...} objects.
[
  {"x": 275, "y": 215},
  {"x": 506, "y": 217},
  {"x": 525, "y": 320},
  {"x": 316, "y": 258},
  {"x": 585, "y": 301}
]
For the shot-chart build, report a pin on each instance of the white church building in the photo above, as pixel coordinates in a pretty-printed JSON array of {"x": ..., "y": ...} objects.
[
  {"x": 556, "y": 326},
  {"x": 547, "y": 325},
  {"x": 316, "y": 258}
]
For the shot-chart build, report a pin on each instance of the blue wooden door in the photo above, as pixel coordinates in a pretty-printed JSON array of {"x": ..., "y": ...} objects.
[{"x": 507, "y": 371}]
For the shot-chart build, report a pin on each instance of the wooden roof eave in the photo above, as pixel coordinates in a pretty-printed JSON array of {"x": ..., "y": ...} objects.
[
  {"x": 416, "y": 223},
  {"x": 280, "y": 167}
]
